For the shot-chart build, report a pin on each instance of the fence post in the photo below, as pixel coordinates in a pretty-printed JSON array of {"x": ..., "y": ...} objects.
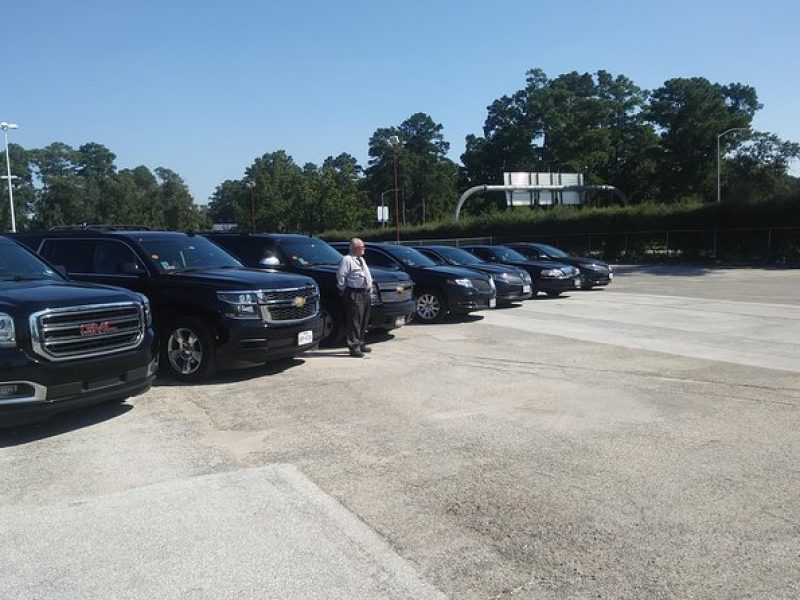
[
  {"x": 625, "y": 250},
  {"x": 667, "y": 244},
  {"x": 715, "y": 245}
]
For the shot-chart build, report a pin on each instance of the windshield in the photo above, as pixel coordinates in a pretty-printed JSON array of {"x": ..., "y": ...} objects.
[
  {"x": 187, "y": 253},
  {"x": 553, "y": 251},
  {"x": 410, "y": 257},
  {"x": 459, "y": 257},
  {"x": 507, "y": 254},
  {"x": 18, "y": 264},
  {"x": 307, "y": 253}
]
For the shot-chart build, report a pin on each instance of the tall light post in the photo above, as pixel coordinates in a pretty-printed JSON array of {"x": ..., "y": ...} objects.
[
  {"x": 394, "y": 142},
  {"x": 5, "y": 127},
  {"x": 719, "y": 159},
  {"x": 251, "y": 185}
]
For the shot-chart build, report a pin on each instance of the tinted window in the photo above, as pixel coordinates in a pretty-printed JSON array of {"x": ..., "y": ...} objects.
[
  {"x": 433, "y": 256},
  {"x": 17, "y": 263},
  {"x": 181, "y": 253},
  {"x": 552, "y": 251},
  {"x": 508, "y": 255},
  {"x": 457, "y": 256},
  {"x": 481, "y": 252},
  {"x": 379, "y": 259},
  {"x": 410, "y": 257},
  {"x": 249, "y": 250},
  {"x": 115, "y": 258},
  {"x": 308, "y": 252},
  {"x": 76, "y": 256}
]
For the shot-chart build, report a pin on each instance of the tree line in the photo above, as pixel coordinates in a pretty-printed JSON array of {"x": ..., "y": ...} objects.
[{"x": 655, "y": 145}]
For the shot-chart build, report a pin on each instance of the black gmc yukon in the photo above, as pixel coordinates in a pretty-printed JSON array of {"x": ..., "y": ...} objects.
[
  {"x": 209, "y": 311},
  {"x": 392, "y": 292},
  {"x": 66, "y": 344}
]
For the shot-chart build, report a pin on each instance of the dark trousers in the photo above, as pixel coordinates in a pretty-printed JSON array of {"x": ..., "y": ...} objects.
[{"x": 358, "y": 306}]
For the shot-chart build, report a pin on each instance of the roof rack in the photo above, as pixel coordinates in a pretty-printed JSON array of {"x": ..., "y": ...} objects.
[{"x": 99, "y": 227}]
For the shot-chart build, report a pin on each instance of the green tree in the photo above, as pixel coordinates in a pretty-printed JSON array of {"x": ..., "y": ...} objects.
[
  {"x": 689, "y": 114},
  {"x": 426, "y": 177}
]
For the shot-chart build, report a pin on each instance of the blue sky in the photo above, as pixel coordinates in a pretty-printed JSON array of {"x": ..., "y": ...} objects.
[{"x": 204, "y": 88}]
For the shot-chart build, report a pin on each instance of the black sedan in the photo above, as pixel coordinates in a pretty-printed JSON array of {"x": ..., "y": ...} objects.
[
  {"x": 512, "y": 284},
  {"x": 549, "y": 277},
  {"x": 438, "y": 291},
  {"x": 593, "y": 272}
]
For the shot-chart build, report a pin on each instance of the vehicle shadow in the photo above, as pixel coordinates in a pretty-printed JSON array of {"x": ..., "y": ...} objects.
[
  {"x": 343, "y": 352},
  {"x": 61, "y": 423},
  {"x": 240, "y": 374}
]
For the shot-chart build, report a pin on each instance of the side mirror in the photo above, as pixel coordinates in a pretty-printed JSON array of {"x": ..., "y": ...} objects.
[
  {"x": 62, "y": 270},
  {"x": 270, "y": 262},
  {"x": 131, "y": 268}
]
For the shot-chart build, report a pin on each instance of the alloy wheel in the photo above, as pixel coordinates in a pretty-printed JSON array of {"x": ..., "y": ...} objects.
[{"x": 184, "y": 351}]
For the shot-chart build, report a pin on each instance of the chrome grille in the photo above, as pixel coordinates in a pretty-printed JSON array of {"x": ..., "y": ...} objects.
[
  {"x": 389, "y": 292},
  {"x": 289, "y": 304},
  {"x": 482, "y": 286},
  {"x": 86, "y": 331}
]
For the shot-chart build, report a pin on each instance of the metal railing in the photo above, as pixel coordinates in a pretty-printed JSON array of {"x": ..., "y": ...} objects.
[{"x": 764, "y": 245}]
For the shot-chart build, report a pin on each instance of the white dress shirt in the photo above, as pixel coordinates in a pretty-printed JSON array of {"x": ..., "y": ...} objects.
[{"x": 353, "y": 273}]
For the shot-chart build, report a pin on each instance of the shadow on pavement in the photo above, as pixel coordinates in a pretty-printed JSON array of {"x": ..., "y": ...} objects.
[
  {"x": 62, "y": 423},
  {"x": 240, "y": 374}
]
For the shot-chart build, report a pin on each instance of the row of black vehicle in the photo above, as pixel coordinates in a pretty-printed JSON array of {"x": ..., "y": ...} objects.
[{"x": 218, "y": 300}]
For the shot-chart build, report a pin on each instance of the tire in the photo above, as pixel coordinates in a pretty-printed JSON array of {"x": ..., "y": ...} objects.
[
  {"x": 332, "y": 327},
  {"x": 187, "y": 351},
  {"x": 554, "y": 294},
  {"x": 430, "y": 306}
]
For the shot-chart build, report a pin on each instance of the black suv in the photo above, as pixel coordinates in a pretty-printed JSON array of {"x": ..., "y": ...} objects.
[
  {"x": 593, "y": 272},
  {"x": 549, "y": 277},
  {"x": 210, "y": 312},
  {"x": 512, "y": 284},
  {"x": 65, "y": 344},
  {"x": 437, "y": 290},
  {"x": 392, "y": 291}
]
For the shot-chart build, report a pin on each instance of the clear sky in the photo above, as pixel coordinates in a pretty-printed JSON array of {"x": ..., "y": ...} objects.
[{"x": 203, "y": 88}]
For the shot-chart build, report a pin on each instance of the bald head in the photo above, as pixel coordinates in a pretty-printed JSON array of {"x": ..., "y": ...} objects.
[{"x": 356, "y": 246}]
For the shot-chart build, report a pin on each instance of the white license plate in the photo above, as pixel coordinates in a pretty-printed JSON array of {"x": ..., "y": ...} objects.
[
  {"x": 399, "y": 321},
  {"x": 611, "y": 276},
  {"x": 577, "y": 282},
  {"x": 305, "y": 337},
  {"x": 492, "y": 302},
  {"x": 526, "y": 288}
]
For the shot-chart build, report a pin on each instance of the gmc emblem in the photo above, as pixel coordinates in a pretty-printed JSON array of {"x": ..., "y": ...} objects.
[{"x": 97, "y": 328}]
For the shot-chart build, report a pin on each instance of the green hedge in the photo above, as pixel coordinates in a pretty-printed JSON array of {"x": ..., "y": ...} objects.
[{"x": 562, "y": 220}]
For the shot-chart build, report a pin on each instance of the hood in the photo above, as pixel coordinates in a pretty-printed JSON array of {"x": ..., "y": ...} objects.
[
  {"x": 241, "y": 278},
  {"x": 539, "y": 264},
  {"x": 380, "y": 275},
  {"x": 580, "y": 261},
  {"x": 457, "y": 272},
  {"x": 25, "y": 297}
]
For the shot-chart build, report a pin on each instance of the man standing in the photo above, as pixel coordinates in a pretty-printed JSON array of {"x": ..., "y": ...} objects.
[{"x": 355, "y": 284}]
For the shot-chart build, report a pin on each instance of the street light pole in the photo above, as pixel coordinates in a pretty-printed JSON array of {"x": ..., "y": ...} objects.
[
  {"x": 5, "y": 127},
  {"x": 719, "y": 159},
  {"x": 394, "y": 142},
  {"x": 383, "y": 201},
  {"x": 252, "y": 185}
]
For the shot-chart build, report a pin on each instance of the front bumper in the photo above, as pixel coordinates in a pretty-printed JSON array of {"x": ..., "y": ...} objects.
[
  {"x": 391, "y": 315},
  {"x": 560, "y": 284},
  {"x": 509, "y": 292},
  {"x": 253, "y": 341},
  {"x": 595, "y": 278},
  {"x": 43, "y": 389},
  {"x": 463, "y": 299}
]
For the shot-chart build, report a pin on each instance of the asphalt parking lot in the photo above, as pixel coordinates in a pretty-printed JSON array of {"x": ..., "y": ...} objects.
[{"x": 641, "y": 441}]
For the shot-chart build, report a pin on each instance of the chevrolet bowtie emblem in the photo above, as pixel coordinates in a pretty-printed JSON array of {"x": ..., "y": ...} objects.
[{"x": 298, "y": 302}]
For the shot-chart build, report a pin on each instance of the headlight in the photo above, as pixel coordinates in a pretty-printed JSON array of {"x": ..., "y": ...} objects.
[
  {"x": 461, "y": 282},
  {"x": 526, "y": 277},
  {"x": 241, "y": 305},
  {"x": 148, "y": 314},
  {"x": 374, "y": 295},
  {"x": 552, "y": 273},
  {"x": 8, "y": 336}
]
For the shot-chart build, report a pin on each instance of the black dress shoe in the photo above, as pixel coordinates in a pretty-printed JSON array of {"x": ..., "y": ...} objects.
[
  {"x": 356, "y": 353},
  {"x": 365, "y": 348}
]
